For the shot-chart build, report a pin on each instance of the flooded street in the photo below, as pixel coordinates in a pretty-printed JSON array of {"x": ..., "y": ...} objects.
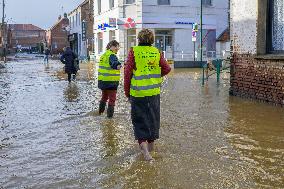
[{"x": 52, "y": 137}]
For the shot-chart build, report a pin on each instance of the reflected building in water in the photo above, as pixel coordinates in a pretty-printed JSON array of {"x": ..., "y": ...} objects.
[{"x": 256, "y": 134}]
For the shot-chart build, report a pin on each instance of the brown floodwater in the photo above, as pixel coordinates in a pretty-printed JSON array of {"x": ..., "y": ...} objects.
[{"x": 52, "y": 137}]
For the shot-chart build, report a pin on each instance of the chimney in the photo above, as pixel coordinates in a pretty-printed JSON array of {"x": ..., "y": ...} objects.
[{"x": 59, "y": 17}]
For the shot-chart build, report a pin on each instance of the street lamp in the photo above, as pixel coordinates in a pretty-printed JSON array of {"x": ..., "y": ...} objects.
[
  {"x": 3, "y": 31},
  {"x": 201, "y": 42}
]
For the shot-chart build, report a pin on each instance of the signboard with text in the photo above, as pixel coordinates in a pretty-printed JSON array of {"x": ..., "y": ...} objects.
[
  {"x": 194, "y": 31},
  {"x": 84, "y": 31}
]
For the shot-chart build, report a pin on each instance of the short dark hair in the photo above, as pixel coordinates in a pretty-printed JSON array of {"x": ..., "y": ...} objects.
[
  {"x": 146, "y": 36},
  {"x": 111, "y": 44}
]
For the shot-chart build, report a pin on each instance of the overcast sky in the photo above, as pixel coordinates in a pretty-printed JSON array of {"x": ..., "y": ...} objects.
[{"x": 42, "y": 13}]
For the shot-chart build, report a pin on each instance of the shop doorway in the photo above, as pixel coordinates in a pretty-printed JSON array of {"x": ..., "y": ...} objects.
[
  {"x": 164, "y": 42},
  {"x": 131, "y": 38}
]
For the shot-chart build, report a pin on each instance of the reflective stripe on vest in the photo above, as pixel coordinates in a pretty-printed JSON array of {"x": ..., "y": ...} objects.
[
  {"x": 146, "y": 79},
  {"x": 105, "y": 72}
]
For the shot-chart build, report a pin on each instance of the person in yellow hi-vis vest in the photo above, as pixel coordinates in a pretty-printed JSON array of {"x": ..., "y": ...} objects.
[
  {"x": 109, "y": 76},
  {"x": 143, "y": 74}
]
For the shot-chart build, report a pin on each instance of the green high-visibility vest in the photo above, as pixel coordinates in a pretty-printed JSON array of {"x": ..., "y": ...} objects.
[
  {"x": 146, "y": 79},
  {"x": 106, "y": 73}
]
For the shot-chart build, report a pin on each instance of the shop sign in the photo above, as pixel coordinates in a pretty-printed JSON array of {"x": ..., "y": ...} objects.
[
  {"x": 184, "y": 23},
  {"x": 193, "y": 36},
  {"x": 100, "y": 35},
  {"x": 194, "y": 31},
  {"x": 130, "y": 23},
  {"x": 111, "y": 24},
  {"x": 84, "y": 31}
]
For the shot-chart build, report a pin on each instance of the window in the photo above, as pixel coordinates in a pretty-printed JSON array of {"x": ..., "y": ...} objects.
[
  {"x": 131, "y": 38},
  {"x": 73, "y": 21},
  {"x": 111, "y": 35},
  {"x": 70, "y": 23},
  {"x": 111, "y": 4},
  {"x": 207, "y": 2},
  {"x": 163, "y": 2},
  {"x": 99, "y": 6},
  {"x": 100, "y": 42},
  {"x": 129, "y": 1},
  {"x": 275, "y": 40},
  {"x": 76, "y": 19},
  {"x": 79, "y": 18},
  {"x": 79, "y": 45}
]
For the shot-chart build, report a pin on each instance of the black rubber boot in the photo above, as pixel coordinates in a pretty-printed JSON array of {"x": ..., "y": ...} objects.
[
  {"x": 110, "y": 111},
  {"x": 102, "y": 107}
]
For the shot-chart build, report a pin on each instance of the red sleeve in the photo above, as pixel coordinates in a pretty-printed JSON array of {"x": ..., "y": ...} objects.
[
  {"x": 128, "y": 71},
  {"x": 165, "y": 67}
]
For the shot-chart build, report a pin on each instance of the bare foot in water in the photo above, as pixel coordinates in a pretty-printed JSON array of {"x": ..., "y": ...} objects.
[
  {"x": 151, "y": 146},
  {"x": 145, "y": 152}
]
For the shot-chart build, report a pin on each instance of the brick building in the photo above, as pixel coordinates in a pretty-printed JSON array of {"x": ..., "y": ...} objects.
[
  {"x": 26, "y": 37},
  {"x": 257, "y": 39},
  {"x": 5, "y": 39},
  {"x": 57, "y": 35},
  {"x": 81, "y": 29}
]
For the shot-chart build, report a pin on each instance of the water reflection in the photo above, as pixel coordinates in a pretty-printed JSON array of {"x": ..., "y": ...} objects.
[
  {"x": 256, "y": 132},
  {"x": 71, "y": 92},
  {"x": 55, "y": 139},
  {"x": 109, "y": 137}
]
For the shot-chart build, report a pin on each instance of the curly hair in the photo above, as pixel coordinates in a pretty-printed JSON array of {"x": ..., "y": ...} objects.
[
  {"x": 112, "y": 43},
  {"x": 146, "y": 36}
]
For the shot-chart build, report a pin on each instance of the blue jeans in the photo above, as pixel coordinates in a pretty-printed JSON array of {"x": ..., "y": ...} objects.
[{"x": 45, "y": 58}]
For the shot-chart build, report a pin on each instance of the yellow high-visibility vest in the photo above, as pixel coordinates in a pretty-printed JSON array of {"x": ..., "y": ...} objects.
[
  {"x": 105, "y": 72},
  {"x": 146, "y": 79}
]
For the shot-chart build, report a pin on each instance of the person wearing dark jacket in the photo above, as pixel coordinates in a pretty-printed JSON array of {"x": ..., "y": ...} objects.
[
  {"x": 143, "y": 74},
  {"x": 46, "y": 55},
  {"x": 109, "y": 76},
  {"x": 69, "y": 58}
]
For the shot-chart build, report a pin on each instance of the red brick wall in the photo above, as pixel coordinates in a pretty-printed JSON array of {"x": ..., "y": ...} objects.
[
  {"x": 27, "y": 38},
  {"x": 59, "y": 36},
  {"x": 257, "y": 78}
]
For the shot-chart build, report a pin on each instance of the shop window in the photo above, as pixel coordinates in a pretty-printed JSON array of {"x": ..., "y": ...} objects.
[
  {"x": 129, "y": 1},
  {"x": 275, "y": 40},
  {"x": 111, "y": 4},
  {"x": 131, "y": 38},
  {"x": 111, "y": 35},
  {"x": 100, "y": 42},
  {"x": 207, "y": 2},
  {"x": 163, "y": 2}
]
